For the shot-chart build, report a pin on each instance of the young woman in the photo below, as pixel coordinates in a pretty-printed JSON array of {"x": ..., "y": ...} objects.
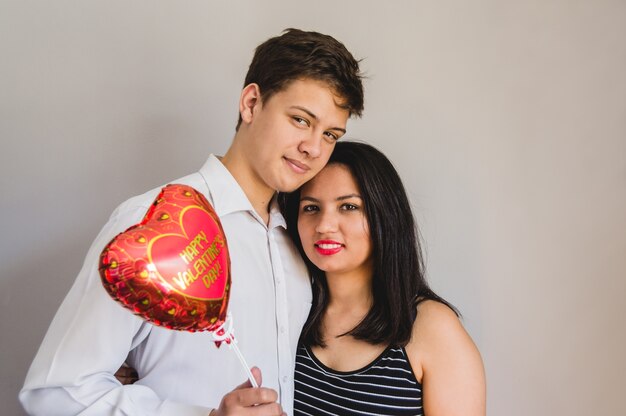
[{"x": 378, "y": 340}]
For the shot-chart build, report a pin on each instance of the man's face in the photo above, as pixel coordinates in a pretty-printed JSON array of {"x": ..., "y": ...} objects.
[{"x": 291, "y": 135}]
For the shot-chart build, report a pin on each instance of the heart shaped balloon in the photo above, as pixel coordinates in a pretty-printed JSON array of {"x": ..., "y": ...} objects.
[{"x": 173, "y": 268}]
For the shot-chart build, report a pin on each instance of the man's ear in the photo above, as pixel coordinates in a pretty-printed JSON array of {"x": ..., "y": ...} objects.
[{"x": 249, "y": 102}]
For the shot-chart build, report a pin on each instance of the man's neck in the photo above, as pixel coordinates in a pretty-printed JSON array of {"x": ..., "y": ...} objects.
[{"x": 257, "y": 192}]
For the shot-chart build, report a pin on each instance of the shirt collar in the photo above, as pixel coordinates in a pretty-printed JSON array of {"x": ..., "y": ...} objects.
[{"x": 276, "y": 217}]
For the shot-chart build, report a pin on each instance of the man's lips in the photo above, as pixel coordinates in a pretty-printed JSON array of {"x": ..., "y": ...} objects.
[
  {"x": 297, "y": 166},
  {"x": 328, "y": 247}
]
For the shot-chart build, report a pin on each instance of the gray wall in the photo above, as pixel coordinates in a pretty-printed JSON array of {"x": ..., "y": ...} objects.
[{"x": 507, "y": 122}]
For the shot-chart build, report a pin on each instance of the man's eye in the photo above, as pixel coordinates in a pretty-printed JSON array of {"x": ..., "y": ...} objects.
[
  {"x": 300, "y": 120},
  {"x": 331, "y": 136}
]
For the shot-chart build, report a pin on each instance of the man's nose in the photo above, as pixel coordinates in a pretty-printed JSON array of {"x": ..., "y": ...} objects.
[{"x": 311, "y": 144}]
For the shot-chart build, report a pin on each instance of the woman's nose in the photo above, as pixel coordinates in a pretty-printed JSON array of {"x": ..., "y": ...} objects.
[{"x": 327, "y": 223}]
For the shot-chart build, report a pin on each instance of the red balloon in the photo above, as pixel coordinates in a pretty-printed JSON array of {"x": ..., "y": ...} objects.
[{"x": 173, "y": 268}]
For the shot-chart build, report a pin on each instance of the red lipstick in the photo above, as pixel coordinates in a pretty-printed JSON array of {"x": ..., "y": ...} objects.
[{"x": 328, "y": 247}]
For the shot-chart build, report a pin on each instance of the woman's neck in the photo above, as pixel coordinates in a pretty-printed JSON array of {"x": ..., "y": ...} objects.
[{"x": 350, "y": 299}]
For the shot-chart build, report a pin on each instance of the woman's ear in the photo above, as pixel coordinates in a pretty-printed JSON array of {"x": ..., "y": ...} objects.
[{"x": 249, "y": 101}]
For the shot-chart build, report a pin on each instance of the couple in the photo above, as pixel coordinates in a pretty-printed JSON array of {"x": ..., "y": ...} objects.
[{"x": 371, "y": 312}]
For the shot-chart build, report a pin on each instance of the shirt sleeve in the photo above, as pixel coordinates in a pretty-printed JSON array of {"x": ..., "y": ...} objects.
[{"x": 87, "y": 342}]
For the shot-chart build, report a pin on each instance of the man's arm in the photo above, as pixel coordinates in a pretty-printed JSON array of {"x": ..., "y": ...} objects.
[
  {"x": 90, "y": 338},
  {"x": 87, "y": 341}
]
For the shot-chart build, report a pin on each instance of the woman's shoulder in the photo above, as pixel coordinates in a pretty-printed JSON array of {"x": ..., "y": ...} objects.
[
  {"x": 434, "y": 323},
  {"x": 438, "y": 335},
  {"x": 435, "y": 309},
  {"x": 446, "y": 361},
  {"x": 437, "y": 325},
  {"x": 436, "y": 318}
]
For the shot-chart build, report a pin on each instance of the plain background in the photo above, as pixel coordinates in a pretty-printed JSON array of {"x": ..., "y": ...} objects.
[{"x": 506, "y": 120}]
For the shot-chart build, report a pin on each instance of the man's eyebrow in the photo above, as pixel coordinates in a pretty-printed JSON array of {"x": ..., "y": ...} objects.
[
  {"x": 315, "y": 117},
  {"x": 306, "y": 110}
]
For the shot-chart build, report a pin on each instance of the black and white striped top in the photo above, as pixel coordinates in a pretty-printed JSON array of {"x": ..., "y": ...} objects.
[{"x": 386, "y": 386}]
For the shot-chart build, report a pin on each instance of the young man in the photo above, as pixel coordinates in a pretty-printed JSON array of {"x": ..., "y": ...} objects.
[{"x": 299, "y": 92}]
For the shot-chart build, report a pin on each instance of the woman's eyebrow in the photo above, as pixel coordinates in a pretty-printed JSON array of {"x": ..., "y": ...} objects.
[{"x": 339, "y": 198}]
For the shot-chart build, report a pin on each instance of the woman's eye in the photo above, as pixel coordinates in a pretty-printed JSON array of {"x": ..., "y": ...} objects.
[
  {"x": 349, "y": 207},
  {"x": 309, "y": 208}
]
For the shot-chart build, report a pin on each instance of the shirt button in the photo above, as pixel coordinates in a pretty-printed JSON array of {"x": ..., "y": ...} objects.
[
  {"x": 282, "y": 329},
  {"x": 285, "y": 378}
]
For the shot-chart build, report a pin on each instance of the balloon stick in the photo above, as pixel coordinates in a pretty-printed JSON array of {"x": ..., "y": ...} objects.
[{"x": 224, "y": 333}]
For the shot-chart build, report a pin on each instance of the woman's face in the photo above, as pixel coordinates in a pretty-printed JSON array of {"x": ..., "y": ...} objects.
[{"x": 332, "y": 223}]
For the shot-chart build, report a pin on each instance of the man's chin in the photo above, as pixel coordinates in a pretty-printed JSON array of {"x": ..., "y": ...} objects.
[{"x": 290, "y": 186}]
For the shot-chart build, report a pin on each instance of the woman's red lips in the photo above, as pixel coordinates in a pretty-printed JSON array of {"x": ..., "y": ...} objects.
[{"x": 328, "y": 247}]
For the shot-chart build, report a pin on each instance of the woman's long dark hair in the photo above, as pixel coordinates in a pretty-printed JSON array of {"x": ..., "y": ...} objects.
[{"x": 398, "y": 282}]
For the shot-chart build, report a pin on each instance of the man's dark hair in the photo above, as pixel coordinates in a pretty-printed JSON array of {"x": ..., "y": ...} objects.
[
  {"x": 297, "y": 54},
  {"x": 398, "y": 282}
]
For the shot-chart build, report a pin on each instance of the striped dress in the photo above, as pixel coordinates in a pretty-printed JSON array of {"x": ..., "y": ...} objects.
[{"x": 386, "y": 386}]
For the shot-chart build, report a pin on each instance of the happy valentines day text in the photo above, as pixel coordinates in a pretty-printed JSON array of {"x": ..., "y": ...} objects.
[{"x": 205, "y": 252}]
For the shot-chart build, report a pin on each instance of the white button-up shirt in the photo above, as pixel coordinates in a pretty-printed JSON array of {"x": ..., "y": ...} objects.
[{"x": 180, "y": 373}]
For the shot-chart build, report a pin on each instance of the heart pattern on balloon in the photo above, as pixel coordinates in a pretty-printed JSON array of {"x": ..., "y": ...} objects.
[{"x": 173, "y": 268}]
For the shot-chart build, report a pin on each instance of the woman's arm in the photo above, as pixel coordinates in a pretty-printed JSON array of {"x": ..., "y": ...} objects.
[{"x": 444, "y": 356}]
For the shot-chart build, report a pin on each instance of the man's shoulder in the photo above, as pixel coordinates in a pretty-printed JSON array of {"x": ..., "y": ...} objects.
[{"x": 141, "y": 202}]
